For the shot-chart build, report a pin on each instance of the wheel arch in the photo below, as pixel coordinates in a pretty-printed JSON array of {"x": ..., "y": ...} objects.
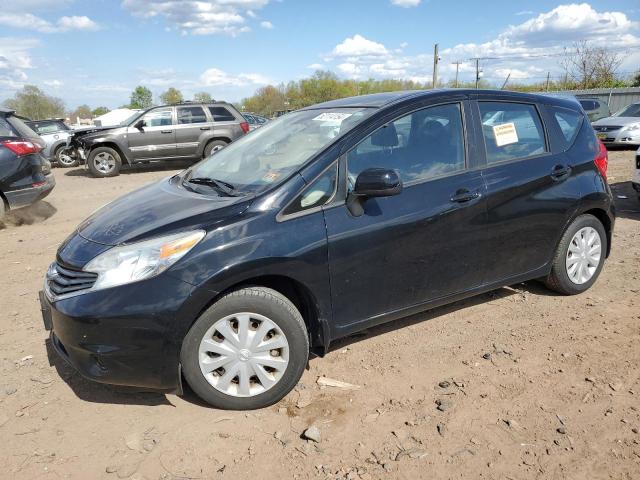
[
  {"x": 606, "y": 222},
  {"x": 215, "y": 138},
  {"x": 110, "y": 144}
]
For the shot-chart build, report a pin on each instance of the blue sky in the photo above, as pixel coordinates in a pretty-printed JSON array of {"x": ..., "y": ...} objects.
[{"x": 96, "y": 51}]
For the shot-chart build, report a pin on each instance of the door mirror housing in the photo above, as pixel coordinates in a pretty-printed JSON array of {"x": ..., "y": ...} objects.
[
  {"x": 140, "y": 124},
  {"x": 371, "y": 183},
  {"x": 377, "y": 182}
]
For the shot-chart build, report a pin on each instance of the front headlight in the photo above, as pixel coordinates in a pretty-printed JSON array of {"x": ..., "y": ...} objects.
[
  {"x": 138, "y": 261},
  {"x": 633, "y": 126}
]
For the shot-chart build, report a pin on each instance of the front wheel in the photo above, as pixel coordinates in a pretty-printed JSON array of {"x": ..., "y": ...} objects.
[
  {"x": 246, "y": 351},
  {"x": 104, "y": 162},
  {"x": 579, "y": 257},
  {"x": 65, "y": 160}
]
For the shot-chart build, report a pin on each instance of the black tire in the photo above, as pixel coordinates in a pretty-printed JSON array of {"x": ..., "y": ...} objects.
[
  {"x": 96, "y": 155},
  {"x": 62, "y": 162},
  {"x": 213, "y": 145},
  {"x": 262, "y": 301},
  {"x": 558, "y": 280}
]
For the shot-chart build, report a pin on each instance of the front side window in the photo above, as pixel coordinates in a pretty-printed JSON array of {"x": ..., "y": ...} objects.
[
  {"x": 425, "y": 144},
  {"x": 188, "y": 115},
  {"x": 511, "y": 131},
  {"x": 221, "y": 114},
  {"x": 266, "y": 157},
  {"x": 160, "y": 117}
]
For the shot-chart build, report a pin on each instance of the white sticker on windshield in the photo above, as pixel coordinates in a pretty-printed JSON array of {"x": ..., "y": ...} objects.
[
  {"x": 332, "y": 118},
  {"x": 505, "y": 134}
]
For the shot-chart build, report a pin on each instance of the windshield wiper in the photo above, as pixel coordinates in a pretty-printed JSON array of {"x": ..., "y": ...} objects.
[{"x": 220, "y": 186}]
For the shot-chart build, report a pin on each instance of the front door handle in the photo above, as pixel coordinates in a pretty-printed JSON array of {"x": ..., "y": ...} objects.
[
  {"x": 463, "y": 195},
  {"x": 205, "y": 128},
  {"x": 560, "y": 172},
  {"x": 166, "y": 131}
]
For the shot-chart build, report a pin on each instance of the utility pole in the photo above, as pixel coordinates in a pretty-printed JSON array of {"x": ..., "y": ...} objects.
[
  {"x": 477, "y": 72},
  {"x": 457, "y": 64},
  {"x": 436, "y": 59},
  {"x": 506, "y": 81},
  {"x": 548, "y": 74}
]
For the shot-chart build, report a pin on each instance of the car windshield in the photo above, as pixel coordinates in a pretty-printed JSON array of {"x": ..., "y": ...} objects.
[
  {"x": 632, "y": 110},
  {"x": 129, "y": 119},
  {"x": 269, "y": 154}
]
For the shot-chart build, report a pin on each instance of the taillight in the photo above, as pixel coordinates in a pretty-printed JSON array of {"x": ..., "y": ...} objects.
[
  {"x": 244, "y": 126},
  {"x": 602, "y": 160},
  {"x": 22, "y": 147}
]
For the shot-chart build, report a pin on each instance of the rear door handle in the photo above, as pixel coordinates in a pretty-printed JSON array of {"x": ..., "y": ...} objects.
[
  {"x": 205, "y": 128},
  {"x": 560, "y": 172},
  {"x": 463, "y": 196},
  {"x": 166, "y": 131}
]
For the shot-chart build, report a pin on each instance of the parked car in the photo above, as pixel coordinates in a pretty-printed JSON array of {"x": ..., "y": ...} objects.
[
  {"x": 622, "y": 128},
  {"x": 25, "y": 174},
  {"x": 635, "y": 181},
  {"x": 595, "y": 108},
  {"x": 183, "y": 131},
  {"x": 55, "y": 133},
  {"x": 231, "y": 272},
  {"x": 255, "y": 121}
]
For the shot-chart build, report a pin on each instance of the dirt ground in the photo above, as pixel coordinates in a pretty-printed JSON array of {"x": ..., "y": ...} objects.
[{"x": 515, "y": 384}]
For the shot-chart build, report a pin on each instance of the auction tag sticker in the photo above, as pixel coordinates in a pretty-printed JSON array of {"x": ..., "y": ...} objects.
[
  {"x": 332, "y": 118},
  {"x": 505, "y": 134}
]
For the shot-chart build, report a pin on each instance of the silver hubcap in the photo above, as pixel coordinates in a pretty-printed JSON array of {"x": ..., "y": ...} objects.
[
  {"x": 64, "y": 159},
  {"x": 244, "y": 354},
  {"x": 583, "y": 256},
  {"x": 104, "y": 162}
]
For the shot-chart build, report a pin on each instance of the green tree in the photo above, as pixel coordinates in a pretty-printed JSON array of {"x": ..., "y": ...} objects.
[
  {"x": 172, "y": 95},
  {"x": 141, "y": 97},
  {"x": 100, "y": 111},
  {"x": 33, "y": 103},
  {"x": 83, "y": 111},
  {"x": 635, "y": 81},
  {"x": 203, "y": 97}
]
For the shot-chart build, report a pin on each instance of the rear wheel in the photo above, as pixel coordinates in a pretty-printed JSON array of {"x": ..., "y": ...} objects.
[
  {"x": 64, "y": 160},
  {"x": 214, "y": 146},
  {"x": 246, "y": 351},
  {"x": 104, "y": 162},
  {"x": 579, "y": 257}
]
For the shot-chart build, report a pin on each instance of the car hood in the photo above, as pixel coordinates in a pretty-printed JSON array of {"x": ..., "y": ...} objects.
[
  {"x": 83, "y": 132},
  {"x": 622, "y": 121},
  {"x": 160, "y": 208}
]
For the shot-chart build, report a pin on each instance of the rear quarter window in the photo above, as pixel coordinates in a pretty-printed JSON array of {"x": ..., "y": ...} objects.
[
  {"x": 221, "y": 114},
  {"x": 21, "y": 127},
  {"x": 5, "y": 128},
  {"x": 569, "y": 122}
]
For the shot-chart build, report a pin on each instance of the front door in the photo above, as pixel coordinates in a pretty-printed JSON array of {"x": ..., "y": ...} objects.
[
  {"x": 155, "y": 139},
  {"x": 423, "y": 244}
]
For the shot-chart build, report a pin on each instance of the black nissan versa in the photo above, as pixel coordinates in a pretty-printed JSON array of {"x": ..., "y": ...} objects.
[{"x": 324, "y": 222}]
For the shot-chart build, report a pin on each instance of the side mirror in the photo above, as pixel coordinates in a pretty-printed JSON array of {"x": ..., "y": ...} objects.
[
  {"x": 373, "y": 182},
  {"x": 140, "y": 124},
  {"x": 378, "y": 182}
]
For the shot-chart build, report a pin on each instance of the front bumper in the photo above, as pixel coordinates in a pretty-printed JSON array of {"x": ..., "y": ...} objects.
[
  {"x": 30, "y": 195},
  {"x": 620, "y": 137},
  {"x": 128, "y": 335}
]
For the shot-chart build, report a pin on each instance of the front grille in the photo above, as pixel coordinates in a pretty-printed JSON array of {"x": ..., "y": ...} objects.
[
  {"x": 62, "y": 281},
  {"x": 609, "y": 128}
]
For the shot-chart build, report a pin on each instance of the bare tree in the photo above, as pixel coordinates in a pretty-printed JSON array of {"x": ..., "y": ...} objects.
[{"x": 589, "y": 66}]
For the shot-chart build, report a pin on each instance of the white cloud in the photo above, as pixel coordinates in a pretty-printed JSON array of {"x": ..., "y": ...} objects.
[
  {"x": 525, "y": 12},
  {"x": 406, "y": 3},
  {"x": 214, "y": 77},
  {"x": 266, "y": 24},
  {"x": 199, "y": 17},
  {"x": 28, "y": 21},
  {"x": 316, "y": 66},
  {"x": 358, "y": 46},
  {"x": 15, "y": 61},
  {"x": 53, "y": 83}
]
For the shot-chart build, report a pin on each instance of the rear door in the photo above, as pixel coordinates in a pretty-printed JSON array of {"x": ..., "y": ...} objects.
[
  {"x": 156, "y": 138},
  {"x": 531, "y": 190},
  {"x": 193, "y": 125},
  {"x": 423, "y": 244}
]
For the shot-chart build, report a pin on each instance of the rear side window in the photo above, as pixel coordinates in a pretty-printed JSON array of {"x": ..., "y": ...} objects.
[
  {"x": 221, "y": 114},
  {"x": 511, "y": 131},
  {"x": 588, "y": 104},
  {"x": 569, "y": 121},
  {"x": 191, "y": 115},
  {"x": 5, "y": 128}
]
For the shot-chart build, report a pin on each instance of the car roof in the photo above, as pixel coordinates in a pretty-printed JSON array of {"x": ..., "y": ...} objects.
[
  {"x": 378, "y": 100},
  {"x": 6, "y": 111}
]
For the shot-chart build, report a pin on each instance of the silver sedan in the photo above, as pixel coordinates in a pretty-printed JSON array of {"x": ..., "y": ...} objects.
[{"x": 622, "y": 128}]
